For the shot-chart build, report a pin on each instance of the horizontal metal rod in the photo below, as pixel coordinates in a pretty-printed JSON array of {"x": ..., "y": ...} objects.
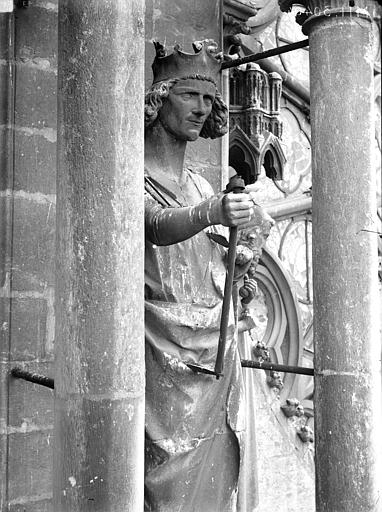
[
  {"x": 19, "y": 373},
  {"x": 246, "y": 363},
  {"x": 264, "y": 55}
]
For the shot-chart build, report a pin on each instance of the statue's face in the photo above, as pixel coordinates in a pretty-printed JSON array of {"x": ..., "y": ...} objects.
[{"x": 187, "y": 106}]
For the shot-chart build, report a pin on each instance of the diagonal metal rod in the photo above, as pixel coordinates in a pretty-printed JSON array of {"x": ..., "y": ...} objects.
[
  {"x": 219, "y": 364},
  {"x": 235, "y": 185},
  {"x": 19, "y": 373},
  {"x": 264, "y": 55},
  {"x": 302, "y": 370}
]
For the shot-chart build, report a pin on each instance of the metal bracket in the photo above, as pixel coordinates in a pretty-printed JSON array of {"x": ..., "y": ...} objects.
[{"x": 19, "y": 373}]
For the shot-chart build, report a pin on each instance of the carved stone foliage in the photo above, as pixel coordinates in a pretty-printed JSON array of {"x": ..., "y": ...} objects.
[
  {"x": 261, "y": 352},
  {"x": 306, "y": 434},
  {"x": 274, "y": 380},
  {"x": 292, "y": 407}
]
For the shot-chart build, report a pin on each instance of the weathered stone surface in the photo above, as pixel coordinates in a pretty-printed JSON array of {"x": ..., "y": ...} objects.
[
  {"x": 28, "y": 328},
  {"x": 99, "y": 459},
  {"x": 4, "y": 99},
  {"x": 33, "y": 242},
  {"x": 346, "y": 321},
  {"x": 35, "y": 101},
  {"x": 4, "y": 37},
  {"x": 32, "y": 476},
  {"x": 39, "y": 505},
  {"x": 35, "y": 163},
  {"x": 27, "y": 231},
  {"x": 37, "y": 47},
  {"x": 99, "y": 386},
  {"x": 4, "y": 163}
]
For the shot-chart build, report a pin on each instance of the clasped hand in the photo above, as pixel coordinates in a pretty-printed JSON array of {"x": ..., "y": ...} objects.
[{"x": 238, "y": 210}]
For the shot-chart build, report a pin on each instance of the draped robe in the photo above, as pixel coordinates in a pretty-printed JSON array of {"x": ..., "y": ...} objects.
[{"x": 195, "y": 424}]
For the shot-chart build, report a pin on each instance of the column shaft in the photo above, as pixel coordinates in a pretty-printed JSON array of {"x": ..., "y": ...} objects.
[
  {"x": 346, "y": 300},
  {"x": 99, "y": 377}
]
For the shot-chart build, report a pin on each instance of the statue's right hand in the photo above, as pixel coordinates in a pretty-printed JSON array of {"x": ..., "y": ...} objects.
[{"x": 231, "y": 209}]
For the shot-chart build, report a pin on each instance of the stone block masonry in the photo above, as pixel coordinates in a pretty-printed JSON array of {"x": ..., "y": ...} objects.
[{"x": 28, "y": 117}]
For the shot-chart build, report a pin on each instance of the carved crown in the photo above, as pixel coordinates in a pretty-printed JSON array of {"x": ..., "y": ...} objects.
[{"x": 204, "y": 62}]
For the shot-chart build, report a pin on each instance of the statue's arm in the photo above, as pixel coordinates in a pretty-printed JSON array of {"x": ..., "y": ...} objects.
[{"x": 167, "y": 226}]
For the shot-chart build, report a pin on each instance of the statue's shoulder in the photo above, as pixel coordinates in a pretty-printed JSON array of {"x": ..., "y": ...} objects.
[
  {"x": 202, "y": 184},
  {"x": 194, "y": 171}
]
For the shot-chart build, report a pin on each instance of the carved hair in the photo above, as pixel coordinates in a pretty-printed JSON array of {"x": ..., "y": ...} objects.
[{"x": 215, "y": 124}]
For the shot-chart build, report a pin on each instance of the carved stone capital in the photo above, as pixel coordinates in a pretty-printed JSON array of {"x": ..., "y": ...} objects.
[
  {"x": 321, "y": 6},
  {"x": 316, "y": 10}
]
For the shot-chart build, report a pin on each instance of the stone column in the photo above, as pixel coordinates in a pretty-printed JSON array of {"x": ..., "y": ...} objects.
[
  {"x": 346, "y": 302},
  {"x": 99, "y": 377}
]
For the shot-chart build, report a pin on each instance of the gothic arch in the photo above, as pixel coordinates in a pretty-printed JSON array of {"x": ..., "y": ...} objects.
[
  {"x": 272, "y": 157},
  {"x": 283, "y": 335},
  {"x": 243, "y": 155}
]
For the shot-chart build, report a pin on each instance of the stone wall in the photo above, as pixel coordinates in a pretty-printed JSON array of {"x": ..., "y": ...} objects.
[{"x": 28, "y": 68}]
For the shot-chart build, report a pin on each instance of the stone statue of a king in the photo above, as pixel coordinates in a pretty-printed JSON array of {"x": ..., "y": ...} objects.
[{"x": 195, "y": 423}]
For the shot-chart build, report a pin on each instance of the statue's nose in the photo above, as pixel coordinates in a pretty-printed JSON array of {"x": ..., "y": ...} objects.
[{"x": 200, "y": 107}]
